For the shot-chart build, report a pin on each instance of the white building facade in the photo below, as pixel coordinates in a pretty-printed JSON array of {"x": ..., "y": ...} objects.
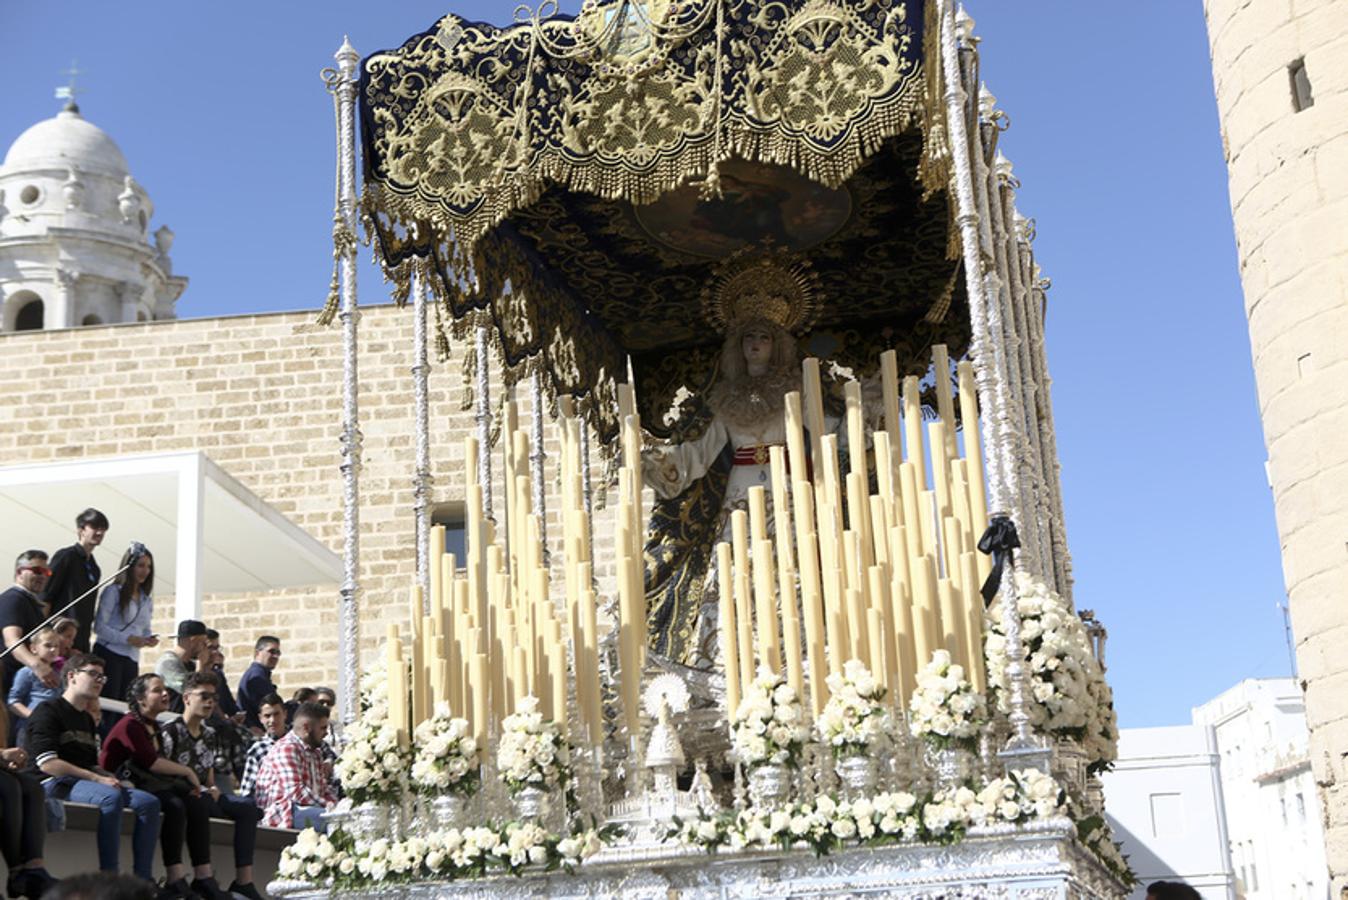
[
  {"x": 1273, "y": 814},
  {"x": 1164, "y": 802},
  {"x": 75, "y": 240}
]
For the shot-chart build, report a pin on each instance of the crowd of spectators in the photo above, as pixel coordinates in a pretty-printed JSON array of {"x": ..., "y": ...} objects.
[{"x": 186, "y": 751}]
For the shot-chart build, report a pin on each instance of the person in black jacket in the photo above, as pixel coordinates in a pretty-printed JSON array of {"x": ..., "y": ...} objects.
[{"x": 75, "y": 572}]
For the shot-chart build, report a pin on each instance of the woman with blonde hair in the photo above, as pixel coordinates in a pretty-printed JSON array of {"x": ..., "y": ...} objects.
[{"x": 122, "y": 622}]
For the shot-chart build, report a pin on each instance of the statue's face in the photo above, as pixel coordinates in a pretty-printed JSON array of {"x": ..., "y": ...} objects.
[{"x": 757, "y": 347}]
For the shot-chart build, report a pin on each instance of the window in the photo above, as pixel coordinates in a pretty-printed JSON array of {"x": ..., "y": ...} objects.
[
  {"x": 1301, "y": 86},
  {"x": 1167, "y": 815},
  {"x": 453, "y": 515},
  {"x": 1282, "y": 804},
  {"x": 29, "y": 195},
  {"x": 91, "y": 320},
  {"x": 29, "y": 317},
  {"x": 1301, "y": 808}
]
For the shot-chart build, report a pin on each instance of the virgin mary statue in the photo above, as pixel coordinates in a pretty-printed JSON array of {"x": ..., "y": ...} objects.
[{"x": 699, "y": 482}]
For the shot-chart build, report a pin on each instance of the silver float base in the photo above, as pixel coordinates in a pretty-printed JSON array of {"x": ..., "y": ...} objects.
[{"x": 1040, "y": 862}]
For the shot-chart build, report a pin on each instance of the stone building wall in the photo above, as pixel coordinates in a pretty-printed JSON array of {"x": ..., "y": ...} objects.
[
  {"x": 261, "y": 396},
  {"x": 1288, "y": 167}
]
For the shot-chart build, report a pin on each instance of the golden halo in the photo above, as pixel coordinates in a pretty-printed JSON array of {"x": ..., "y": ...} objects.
[{"x": 762, "y": 282}]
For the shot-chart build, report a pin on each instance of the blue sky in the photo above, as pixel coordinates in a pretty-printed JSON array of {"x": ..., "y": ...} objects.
[{"x": 223, "y": 118}]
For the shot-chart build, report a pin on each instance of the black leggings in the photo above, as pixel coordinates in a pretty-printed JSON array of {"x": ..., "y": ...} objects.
[
  {"x": 23, "y": 818},
  {"x": 184, "y": 817},
  {"x": 245, "y": 815}
]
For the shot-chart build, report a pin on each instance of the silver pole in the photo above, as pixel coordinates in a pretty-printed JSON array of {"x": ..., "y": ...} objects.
[
  {"x": 989, "y": 369},
  {"x": 344, "y": 87},
  {"x": 421, "y": 482},
  {"x": 537, "y": 457},
  {"x": 483, "y": 418}
]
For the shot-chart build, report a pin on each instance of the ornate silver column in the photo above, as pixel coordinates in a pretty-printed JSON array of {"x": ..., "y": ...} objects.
[
  {"x": 342, "y": 83},
  {"x": 482, "y": 416},
  {"x": 421, "y": 481},
  {"x": 1023, "y": 749},
  {"x": 537, "y": 456}
]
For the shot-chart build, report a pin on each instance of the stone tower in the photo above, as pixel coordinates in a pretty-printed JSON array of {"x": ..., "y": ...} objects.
[
  {"x": 1280, "y": 68},
  {"x": 76, "y": 246}
]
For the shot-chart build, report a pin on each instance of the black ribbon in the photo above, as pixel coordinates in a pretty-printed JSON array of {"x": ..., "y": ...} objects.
[{"x": 1001, "y": 541}]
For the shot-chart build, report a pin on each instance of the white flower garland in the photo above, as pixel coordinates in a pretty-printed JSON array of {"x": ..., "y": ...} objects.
[
  {"x": 448, "y": 854},
  {"x": 825, "y": 824},
  {"x": 945, "y": 710},
  {"x": 769, "y": 725},
  {"x": 855, "y": 716},
  {"x": 447, "y": 755},
  {"x": 532, "y": 751},
  {"x": 1070, "y": 696}
]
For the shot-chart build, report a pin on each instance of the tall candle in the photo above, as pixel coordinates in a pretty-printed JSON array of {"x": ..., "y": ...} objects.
[
  {"x": 434, "y": 552},
  {"x": 912, "y": 429},
  {"x": 728, "y": 639},
  {"x": 795, "y": 437},
  {"x": 809, "y": 591},
  {"x": 973, "y": 451},
  {"x": 765, "y": 605},
  {"x": 814, "y": 410},
  {"x": 952, "y": 636},
  {"x": 479, "y": 685},
  {"x": 557, "y": 669},
  {"x": 879, "y": 654},
  {"x": 889, "y": 383},
  {"x": 901, "y": 608},
  {"x": 856, "y": 626},
  {"x": 856, "y": 429},
  {"x": 921, "y": 607},
  {"x": 945, "y": 405},
  {"x": 973, "y": 631}
]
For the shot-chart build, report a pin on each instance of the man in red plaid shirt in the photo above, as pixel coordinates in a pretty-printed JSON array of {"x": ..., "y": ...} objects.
[{"x": 293, "y": 788}]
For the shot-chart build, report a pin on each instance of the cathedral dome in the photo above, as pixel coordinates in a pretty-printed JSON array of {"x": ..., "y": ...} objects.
[{"x": 63, "y": 141}]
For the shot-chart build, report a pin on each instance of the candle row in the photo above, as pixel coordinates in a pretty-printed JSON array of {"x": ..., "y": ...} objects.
[{"x": 885, "y": 576}]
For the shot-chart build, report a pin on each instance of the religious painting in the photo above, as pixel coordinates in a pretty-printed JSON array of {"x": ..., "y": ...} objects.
[{"x": 758, "y": 201}]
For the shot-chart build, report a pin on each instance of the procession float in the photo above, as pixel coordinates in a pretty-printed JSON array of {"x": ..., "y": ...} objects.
[{"x": 759, "y": 266}]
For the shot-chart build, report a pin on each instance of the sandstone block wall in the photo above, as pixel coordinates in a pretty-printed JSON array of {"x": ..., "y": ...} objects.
[
  {"x": 261, "y": 395},
  {"x": 1289, "y": 196}
]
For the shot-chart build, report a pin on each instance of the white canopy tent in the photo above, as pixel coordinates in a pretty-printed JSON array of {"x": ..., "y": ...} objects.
[{"x": 208, "y": 533}]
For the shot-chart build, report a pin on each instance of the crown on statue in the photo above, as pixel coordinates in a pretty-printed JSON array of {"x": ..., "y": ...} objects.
[{"x": 762, "y": 282}]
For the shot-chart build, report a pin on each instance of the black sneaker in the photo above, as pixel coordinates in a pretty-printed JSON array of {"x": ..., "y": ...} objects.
[
  {"x": 174, "y": 890},
  {"x": 208, "y": 889},
  {"x": 248, "y": 890},
  {"x": 31, "y": 883}
]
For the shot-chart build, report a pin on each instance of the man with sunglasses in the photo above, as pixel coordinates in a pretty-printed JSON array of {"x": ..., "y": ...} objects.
[
  {"x": 63, "y": 744},
  {"x": 20, "y": 612}
]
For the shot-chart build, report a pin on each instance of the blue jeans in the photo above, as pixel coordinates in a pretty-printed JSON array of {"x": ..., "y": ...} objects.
[
  {"x": 110, "y": 802},
  {"x": 309, "y": 817}
]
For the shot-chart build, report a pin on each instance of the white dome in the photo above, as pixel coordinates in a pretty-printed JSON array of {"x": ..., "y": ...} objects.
[{"x": 66, "y": 140}]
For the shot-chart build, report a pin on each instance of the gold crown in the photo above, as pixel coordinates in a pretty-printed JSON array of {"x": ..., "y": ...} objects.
[{"x": 762, "y": 282}]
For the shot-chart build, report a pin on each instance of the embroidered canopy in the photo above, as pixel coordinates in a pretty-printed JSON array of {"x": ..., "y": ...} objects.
[{"x": 579, "y": 183}]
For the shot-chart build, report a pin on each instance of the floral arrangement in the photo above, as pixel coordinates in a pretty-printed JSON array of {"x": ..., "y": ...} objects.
[
  {"x": 825, "y": 824},
  {"x": 855, "y": 715},
  {"x": 532, "y": 751},
  {"x": 447, "y": 855},
  {"x": 1071, "y": 699},
  {"x": 316, "y": 857},
  {"x": 446, "y": 757},
  {"x": 1022, "y": 795},
  {"x": 373, "y": 764},
  {"x": 945, "y": 710},
  {"x": 769, "y": 725}
]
